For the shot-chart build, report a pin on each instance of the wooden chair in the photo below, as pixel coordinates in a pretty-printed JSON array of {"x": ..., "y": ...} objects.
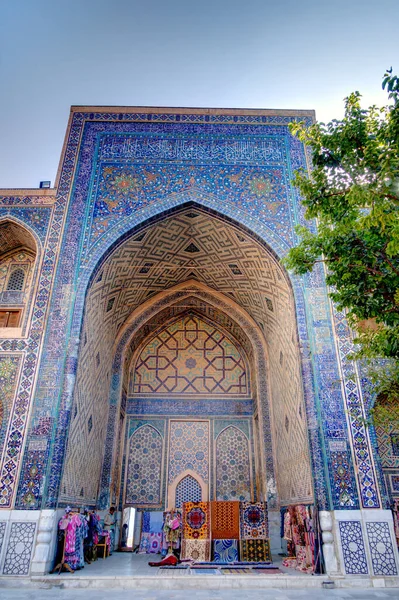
[{"x": 102, "y": 544}]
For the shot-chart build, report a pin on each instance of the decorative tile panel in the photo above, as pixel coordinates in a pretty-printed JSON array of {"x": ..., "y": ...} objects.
[
  {"x": 353, "y": 549},
  {"x": 233, "y": 469},
  {"x": 381, "y": 549},
  {"x": 144, "y": 469},
  {"x": 190, "y": 357},
  {"x": 37, "y": 217},
  {"x": 164, "y": 160},
  {"x": 187, "y": 490},
  {"x": 189, "y": 448},
  {"x": 3, "y": 525},
  {"x": 9, "y": 371},
  {"x": 19, "y": 549}
]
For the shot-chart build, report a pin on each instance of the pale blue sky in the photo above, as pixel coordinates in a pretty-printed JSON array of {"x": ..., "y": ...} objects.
[{"x": 213, "y": 53}]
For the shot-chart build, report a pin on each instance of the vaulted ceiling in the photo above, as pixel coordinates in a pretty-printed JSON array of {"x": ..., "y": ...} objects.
[
  {"x": 189, "y": 245},
  {"x": 13, "y": 237}
]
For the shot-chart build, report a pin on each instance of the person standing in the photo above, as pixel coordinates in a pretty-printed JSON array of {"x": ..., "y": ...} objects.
[{"x": 109, "y": 525}]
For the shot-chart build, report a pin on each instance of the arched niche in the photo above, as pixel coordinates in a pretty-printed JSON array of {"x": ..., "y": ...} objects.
[
  {"x": 233, "y": 465},
  {"x": 144, "y": 468},
  {"x": 185, "y": 477},
  {"x": 19, "y": 251}
]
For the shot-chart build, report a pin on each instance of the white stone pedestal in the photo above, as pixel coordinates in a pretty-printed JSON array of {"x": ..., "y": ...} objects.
[{"x": 363, "y": 543}]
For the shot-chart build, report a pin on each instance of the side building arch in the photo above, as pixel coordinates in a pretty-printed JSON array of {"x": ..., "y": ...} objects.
[{"x": 19, "y": 257}]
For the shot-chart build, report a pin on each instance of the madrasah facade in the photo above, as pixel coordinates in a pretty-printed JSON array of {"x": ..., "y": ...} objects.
[{"x": 153, "y": 348}]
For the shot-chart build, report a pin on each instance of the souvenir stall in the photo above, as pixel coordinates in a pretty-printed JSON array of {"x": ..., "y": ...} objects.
[
  {"x": 225, "y": 532},
  {"x": 301, "y": 531},
  {"x": 80, "y": 539},
  {"x": 221, "y": 532}
]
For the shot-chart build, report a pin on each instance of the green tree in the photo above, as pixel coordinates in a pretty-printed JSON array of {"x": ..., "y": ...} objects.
[{"x": 353, "y": 193}]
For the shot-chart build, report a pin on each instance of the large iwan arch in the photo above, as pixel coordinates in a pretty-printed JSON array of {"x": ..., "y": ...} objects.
[{"x": 191, "y": 263}]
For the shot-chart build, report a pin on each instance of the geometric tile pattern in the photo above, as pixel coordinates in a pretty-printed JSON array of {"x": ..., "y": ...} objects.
[
  {"x": 19, "y": 549},
  {"x": 370, "y": 495},
  {"x": 189, "y": 448},
  {"x": 381, "y": 550},
  {"x": 36, "y": 217},
  {"x": 9, "y": 370},
  {"x": 385, "y": 432},
  {"x": 189, "y": 357},
  {"x": 45, "y": 225},
  {"x": 144, "y": 470},
  {"x": 13, "y": 237},
  {"x": 188, "y": 489},
  {"x": 3, "y": 525},
  {"x": 353, "y": 548},
  {"x": 18, "y": 260},
  {"x": 394, "y": 479},
  {"x": 233, "y": 473}
]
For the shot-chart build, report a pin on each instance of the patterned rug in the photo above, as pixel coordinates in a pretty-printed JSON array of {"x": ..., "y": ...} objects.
[
  {"x": 195, "y": 550},
  {"x": 253, "y": 521},
  {"x": 255, "y": 550},
  {"x": 225, "y": 551},
  {"x": 225, "y": 520},
  {"x": 173, "y": 567},
  {"x": 205, "y": 572},
  {"x": 267, "y": 571},
  {"x": 150, "y": 543},
  {"x": 239, "y": 571},
  {"x": 196, "y": 521},
  {"x": 145, "y": 522}
]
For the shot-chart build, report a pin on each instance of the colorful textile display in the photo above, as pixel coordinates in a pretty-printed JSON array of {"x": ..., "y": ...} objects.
[
  {"x": 195, "y": 549},
  {"x": 155, "y": 543},
  {"x": 168, "y": 561},
  {"x": 225, "y": 520},
  {"x": 196, "y": 521},
  {"x": 172, "y": 529},
  {"x": 144, "y": 542},
  {"x": 150, "y": 543},
  {"x": 255, "y": 550},
  {"x": 93, "y": 530},
  {"x": 253, "y": 521},
  {"x": 301, "y": 539},
  {"x": 75, "y": 529},
  {"x": 225, "y": 551},
  {"x": 145, "y": 522},
  {"x": 152, "y": 521}
]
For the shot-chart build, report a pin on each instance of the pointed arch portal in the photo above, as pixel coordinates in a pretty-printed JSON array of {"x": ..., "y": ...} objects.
[{"x": 189, "y": 328}]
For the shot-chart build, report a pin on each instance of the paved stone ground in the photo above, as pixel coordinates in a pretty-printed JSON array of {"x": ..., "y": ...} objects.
[{"x": 308, "y": 594}]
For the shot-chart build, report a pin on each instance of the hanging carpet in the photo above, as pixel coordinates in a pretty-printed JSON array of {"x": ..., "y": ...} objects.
[
  {"x": 196, "y": 521},
  {"x": 225, "y": 551},
  {"x": 225, "y": 520},
  {"x": 195, "y": 550},
  {"x": 255, "y": 550},
  {"x": 253, "y": 521}
]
